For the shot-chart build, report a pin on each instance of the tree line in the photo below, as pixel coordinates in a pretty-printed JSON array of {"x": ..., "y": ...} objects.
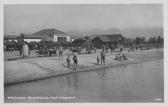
[{"x": 155, "y": 41}]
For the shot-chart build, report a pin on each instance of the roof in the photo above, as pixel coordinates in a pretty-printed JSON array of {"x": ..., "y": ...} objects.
[
  {"x": 49, "y": 32},
  {"x": 79, "y": 40},
  {"x": 30, "y": 36},
  {"x": 109, "y": 38},
  {"x": 27, "y": 36},
  {"x": 9, "y": 43},
  {"x": 11, "y": 36}
]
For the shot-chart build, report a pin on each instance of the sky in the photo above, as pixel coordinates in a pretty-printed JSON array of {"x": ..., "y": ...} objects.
[{"x": 80, "y": 17}]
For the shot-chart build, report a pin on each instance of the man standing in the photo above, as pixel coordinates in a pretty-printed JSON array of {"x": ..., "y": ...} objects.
[
  {"x": 68, "y": 61},
  {"x": 21, "y": 51},
  {"x": 104, "y": 58},
  {"x": 61, "y": 52},
  {"x": 75, "y": 59},
  {"x": 101, "y": 57}
]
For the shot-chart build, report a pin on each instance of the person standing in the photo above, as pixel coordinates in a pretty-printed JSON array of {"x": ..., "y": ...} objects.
[
  {"x": 95, "y": 50},
  {"x": 61, "y": 52},
  {"x": 68, "y": 61},
  {"x": 98, "y": 59},
  {"x": 121, "y": 49},
  {"x": 101, "y": 57},
  {"x": 25, "y": 50},
  {"x": 21, "y": 51},
  {"x": 75, "y": 59},
  {"x": 103, "y": 48},
  {"x": 104, "y": 57}
]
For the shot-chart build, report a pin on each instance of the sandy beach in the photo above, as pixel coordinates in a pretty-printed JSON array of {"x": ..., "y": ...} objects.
[{"x": 32, "y": 69}]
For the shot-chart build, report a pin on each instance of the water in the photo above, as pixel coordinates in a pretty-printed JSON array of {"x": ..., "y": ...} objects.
[{"x": 142, "y": 82}]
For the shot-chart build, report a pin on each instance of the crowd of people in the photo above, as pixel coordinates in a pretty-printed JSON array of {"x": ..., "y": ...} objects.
[{"x": 101, "y": 58}]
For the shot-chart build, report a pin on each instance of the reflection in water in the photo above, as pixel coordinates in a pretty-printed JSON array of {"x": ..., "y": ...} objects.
[
  {"x": 102, "y": 75},
  {"x": 127, "y": 83},
  {"x": 72, "y": 81}
]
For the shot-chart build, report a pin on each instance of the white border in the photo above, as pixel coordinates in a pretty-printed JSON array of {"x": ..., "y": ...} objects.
[{"x": 165, "y": 2}]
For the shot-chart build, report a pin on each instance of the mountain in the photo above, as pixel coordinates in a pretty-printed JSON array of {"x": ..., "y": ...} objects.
[
  {"x": 48, "y": 32},
  {"x": 93, "y": 33},
  {"x": 129, "y": 32},
  {"x": 145, "y": 32}
]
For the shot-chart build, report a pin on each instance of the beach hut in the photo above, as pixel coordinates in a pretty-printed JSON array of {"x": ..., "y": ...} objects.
[{"x": 108, "y": 40}]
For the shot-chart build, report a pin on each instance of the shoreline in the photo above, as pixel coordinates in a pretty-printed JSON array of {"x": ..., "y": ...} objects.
[{"x": 83, "y": 69}]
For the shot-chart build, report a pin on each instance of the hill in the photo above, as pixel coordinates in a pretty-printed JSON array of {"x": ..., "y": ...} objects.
[
  {"x": 48, "y": 32},
  {"x": 129, "y": 32}
]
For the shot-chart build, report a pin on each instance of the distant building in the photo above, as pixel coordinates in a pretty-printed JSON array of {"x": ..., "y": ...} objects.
[
  {"x": 50, "y": 35},
  {"x": 10, "y": 38},
  {"x": 10, "y": 42},
  {"x": 54, "y": 35},
  {"x": 111, "y": 39},
  {"x": 79, "y": 40},
  {"x": 31, "y": 38}
]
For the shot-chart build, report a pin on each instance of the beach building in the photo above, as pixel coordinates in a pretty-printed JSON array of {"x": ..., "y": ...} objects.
[
  {"x": 10, "y": 42},
  {"x": 29, "y": 38},
  {"x": 111, "y": 39},
  {"x": 46, "y": 35},
  {"x": 54, "y": 35},
  {"x": 10, "y": 38},
  {"x": 79, "y": 41}
]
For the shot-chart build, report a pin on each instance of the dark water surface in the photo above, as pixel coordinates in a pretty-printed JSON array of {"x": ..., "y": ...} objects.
[{"x": 143, "y": 82}]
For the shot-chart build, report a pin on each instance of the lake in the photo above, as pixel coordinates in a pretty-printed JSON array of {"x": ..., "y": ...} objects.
[{"x": 143, "y": 82}]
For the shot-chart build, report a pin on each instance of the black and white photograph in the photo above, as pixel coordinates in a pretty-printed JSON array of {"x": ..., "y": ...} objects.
[{"x": 83, "y": 53}]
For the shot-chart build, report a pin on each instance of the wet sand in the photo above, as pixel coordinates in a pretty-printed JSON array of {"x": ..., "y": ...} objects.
[{"x": 32, "y": 69}]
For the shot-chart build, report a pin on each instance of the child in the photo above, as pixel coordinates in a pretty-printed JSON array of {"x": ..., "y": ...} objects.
[
  {"x": 68, "y": 61},
  {"x": 98, "y": 58}
]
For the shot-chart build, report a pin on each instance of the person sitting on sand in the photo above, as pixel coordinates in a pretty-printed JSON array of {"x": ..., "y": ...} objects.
[
  {"x": 124, "y": 57},
  {"x": 98, "y": 59},
  {"x": 117, "y": 56},
  {"x": 120, "y": 57},
  {"x": 68, "y": 61}
]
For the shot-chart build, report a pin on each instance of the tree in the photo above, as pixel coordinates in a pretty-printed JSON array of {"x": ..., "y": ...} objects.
[
  {"x": 87, "y": 38},
  {"x": 137, "y": 40},
  {"x": 88, "y": 44},
  {"x": 143, "y": 39},
  {"x": 152, "y": 40},
  {"x": 159, "y": 41}
]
